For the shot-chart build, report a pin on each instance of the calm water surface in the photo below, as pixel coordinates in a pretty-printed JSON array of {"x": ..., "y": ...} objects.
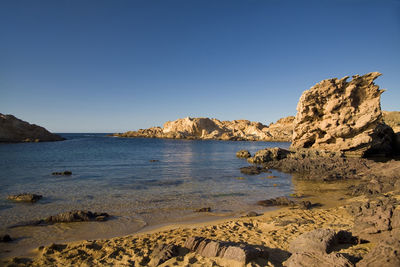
[{"x": 115, "y": 175}]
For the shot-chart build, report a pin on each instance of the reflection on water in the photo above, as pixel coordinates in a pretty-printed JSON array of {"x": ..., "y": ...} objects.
[{"x": 116, "y": 175}]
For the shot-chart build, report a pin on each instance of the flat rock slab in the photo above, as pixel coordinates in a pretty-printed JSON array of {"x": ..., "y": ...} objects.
[
  {"x": 228, "y": 250},
  {"x": 25, "y": 197}
]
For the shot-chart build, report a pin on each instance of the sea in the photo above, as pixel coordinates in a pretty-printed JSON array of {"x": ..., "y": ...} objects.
[{"x": 140, "y": 182}]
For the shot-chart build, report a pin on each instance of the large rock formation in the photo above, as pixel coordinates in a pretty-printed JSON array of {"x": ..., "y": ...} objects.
[
  {"x": 13, "y": 129},
  {"x": 345, "y": 117},
  {"x": 205, "y": 128}
]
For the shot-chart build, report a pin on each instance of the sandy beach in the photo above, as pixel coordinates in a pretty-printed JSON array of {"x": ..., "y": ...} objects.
[{"x": 272, "y": 231}]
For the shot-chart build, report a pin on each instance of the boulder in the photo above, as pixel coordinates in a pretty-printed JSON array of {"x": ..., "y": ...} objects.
[
  {"x": 319, "y": 240},
  {"x": 315, "y": 248},
  {"x": 268, "y": 154},
  {"x": 25, "y": 197},
  {"x": 243, "y": 154},
  {"x": 228, "y": 250},
  {"x": 341, "y": 116},
  {"x": 13, "y": 130}
]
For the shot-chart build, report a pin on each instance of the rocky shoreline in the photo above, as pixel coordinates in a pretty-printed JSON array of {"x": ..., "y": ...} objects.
[
  {"x": 14, "y": 130},
  {"x": 345, "y": 210},
  {"x": 214, "y": 129}
]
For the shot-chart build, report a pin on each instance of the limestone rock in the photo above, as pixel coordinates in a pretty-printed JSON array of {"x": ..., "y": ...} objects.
[
  {"x": 268, "y": 154},
  {"x": 341, "y": 116},
  {"x": 243, "y": 154},
  {"x": 375, "y": 216},
  {"x": 315, "y": 249},
  {"x": 227, "y": 250},
  {"x": 313, "y": 259},
  {"x": 385, "y": 253},
  {"x": 205, "y": 128},
  {"x": 13, "y": 129}
]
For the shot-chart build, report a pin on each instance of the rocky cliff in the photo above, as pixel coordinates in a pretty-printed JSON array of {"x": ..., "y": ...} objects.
[
  {"x": 345, "y": 117},
  {"x": 205, "y": 128},
  {"x": 13, "y": 129}
]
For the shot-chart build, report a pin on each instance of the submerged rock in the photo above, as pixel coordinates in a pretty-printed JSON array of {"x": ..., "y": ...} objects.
[
  {"x": 13, "y": 129},
  {"x": 228, "y": 250},
  {"x": 252, "y": 170},
  {"x": 207, "y": 209},
  {"x": 67, "y": 217},
  {"x": 65, "y": 173},
  {"x": 25, "y": 197},
  {"x": 336, "y": 115}
]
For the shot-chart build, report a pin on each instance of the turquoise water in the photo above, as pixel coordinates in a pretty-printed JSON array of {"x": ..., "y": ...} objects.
[{"x": 115, "y": 175}]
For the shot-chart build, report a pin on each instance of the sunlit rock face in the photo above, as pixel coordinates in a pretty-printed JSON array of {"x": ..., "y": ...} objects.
[
  {"x": 206, "y": 128},
  {"x": 345, "y": 117},
  {"x": 13, "y": 129}
]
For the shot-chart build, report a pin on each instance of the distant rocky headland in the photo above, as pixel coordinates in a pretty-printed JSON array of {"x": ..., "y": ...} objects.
[
  {"x": 205, "y": 128},
  {"x": 14, "y": 130}
]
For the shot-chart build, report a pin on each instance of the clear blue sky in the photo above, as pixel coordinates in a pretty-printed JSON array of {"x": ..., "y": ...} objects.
[{"x": 112, "y": 66}]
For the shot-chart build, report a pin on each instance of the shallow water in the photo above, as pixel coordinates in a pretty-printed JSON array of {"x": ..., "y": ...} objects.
[{"x": 115, "y": 175}]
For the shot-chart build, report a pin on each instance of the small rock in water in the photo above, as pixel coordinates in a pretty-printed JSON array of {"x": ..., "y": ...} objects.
[
  {"x": 243, "y": 154},
  {"x": 207, "y": 209},
  {"x": 251, "y": 214},
  {"x": 154, "y": 160},
  {"x": 65, "y": 173},
  {"x": 278, "y": 201},
  {"x": 5, "y": 238},
  {"x": 251, "y": 170},
  {"x": 67, "y": 217},
  {"x": 25, "y": 197}
]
